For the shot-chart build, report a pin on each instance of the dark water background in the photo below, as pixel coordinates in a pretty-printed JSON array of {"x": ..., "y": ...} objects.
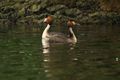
[{"x": 96, "y": 56}]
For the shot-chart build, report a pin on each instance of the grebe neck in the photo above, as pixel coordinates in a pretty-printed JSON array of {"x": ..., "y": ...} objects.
[
  {"x": 72, "y": 35},
  {"x": 45, "y": 32}
]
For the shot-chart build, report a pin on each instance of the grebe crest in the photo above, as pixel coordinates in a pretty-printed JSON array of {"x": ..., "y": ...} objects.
[
  {"x": 48, "y": 20},
  {"x": 71, "y": 23}
]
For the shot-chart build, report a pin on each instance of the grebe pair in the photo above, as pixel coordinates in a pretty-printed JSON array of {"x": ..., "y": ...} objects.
[{"x": 55, "y": 36}]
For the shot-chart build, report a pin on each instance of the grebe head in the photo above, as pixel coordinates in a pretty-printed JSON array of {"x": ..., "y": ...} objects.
[
  {"x": 48, "y": 19},
  {"x": 71, "y": 23}
]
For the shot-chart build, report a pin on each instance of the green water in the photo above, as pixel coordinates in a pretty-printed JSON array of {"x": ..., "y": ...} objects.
[{"x": 96, "y": 56}]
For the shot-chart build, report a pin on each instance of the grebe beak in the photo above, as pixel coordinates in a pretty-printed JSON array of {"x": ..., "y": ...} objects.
[
  {"x": 73, "y": 23},
  {"x": 77, "y": 24},
  {"x": 45, "y": 20}
]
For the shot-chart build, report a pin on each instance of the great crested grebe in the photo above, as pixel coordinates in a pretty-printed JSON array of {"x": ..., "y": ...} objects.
[{"x": 55, "y": 36}]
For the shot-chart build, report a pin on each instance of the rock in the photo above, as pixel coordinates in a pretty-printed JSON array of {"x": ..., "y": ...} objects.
[
  {"x": 86, "y": 11},
  {"x": 72, "y": 12},
  {"x": 7, "y": 9},
  {"x": 21, "y": 12},
  {"x": 79, "y": 3},
  {"x": 84, "y": 19},
  {"x": 35, "y": 8},
  {"x": 94, "y": 14},
  {"x": 56, "y": 8}
]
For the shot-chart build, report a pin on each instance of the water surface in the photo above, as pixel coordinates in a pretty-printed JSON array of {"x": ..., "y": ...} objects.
[{"x": 96, "y": 56}]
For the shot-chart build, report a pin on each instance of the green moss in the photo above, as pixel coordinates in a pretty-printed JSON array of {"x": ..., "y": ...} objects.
[
  {"x": 35, "y": 8},
  {"x": 56, "y": 8},
  {"x": 86, "y": 11},
  {"x": 21, "y": 12}
]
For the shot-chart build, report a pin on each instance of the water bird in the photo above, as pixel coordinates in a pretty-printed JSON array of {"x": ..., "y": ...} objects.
[{"x": 51, "y": 37}]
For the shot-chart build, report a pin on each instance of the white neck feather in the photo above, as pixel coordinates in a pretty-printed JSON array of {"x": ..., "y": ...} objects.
[
  {"x": 45, "y": 32},
  {"x": 73, "y": 37}
]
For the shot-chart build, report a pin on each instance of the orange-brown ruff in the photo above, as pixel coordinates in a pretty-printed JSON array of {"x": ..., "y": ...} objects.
[{"x": 49, "y": 37}]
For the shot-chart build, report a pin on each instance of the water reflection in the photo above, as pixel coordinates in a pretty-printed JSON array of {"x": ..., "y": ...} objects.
[
  {"x": 58, "y": 66},
  {"x": 46, "y": 45},
  {"x": 46, "y": 50}
]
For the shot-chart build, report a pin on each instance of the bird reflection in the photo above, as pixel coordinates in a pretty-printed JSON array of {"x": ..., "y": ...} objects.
[
  {"x": 59, "y": 65},
  {"x": 46, "y": 46}
]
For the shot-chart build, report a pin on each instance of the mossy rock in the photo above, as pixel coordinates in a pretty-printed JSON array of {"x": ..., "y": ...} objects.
[
  {"x": 84, "y": 19},
  {"x": 4, "y": 16},
  {"x": 114, "y": 17},
  {"x": 41, "y": 16},
  {"x": 44, "y": 4},
  {"x": 0, "y": 15},
  {"x": 56, "y": 8},
  {"x": 94, "y": 14},
  {"x": 18, "y": 6},
  {"x": 21, "y": 12},
  {"x": 79, "y": 3},
  {"x": 35, "y": 8},
  {"x": 7, "y": 9},
  {"x": 72, "y": 12}
]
